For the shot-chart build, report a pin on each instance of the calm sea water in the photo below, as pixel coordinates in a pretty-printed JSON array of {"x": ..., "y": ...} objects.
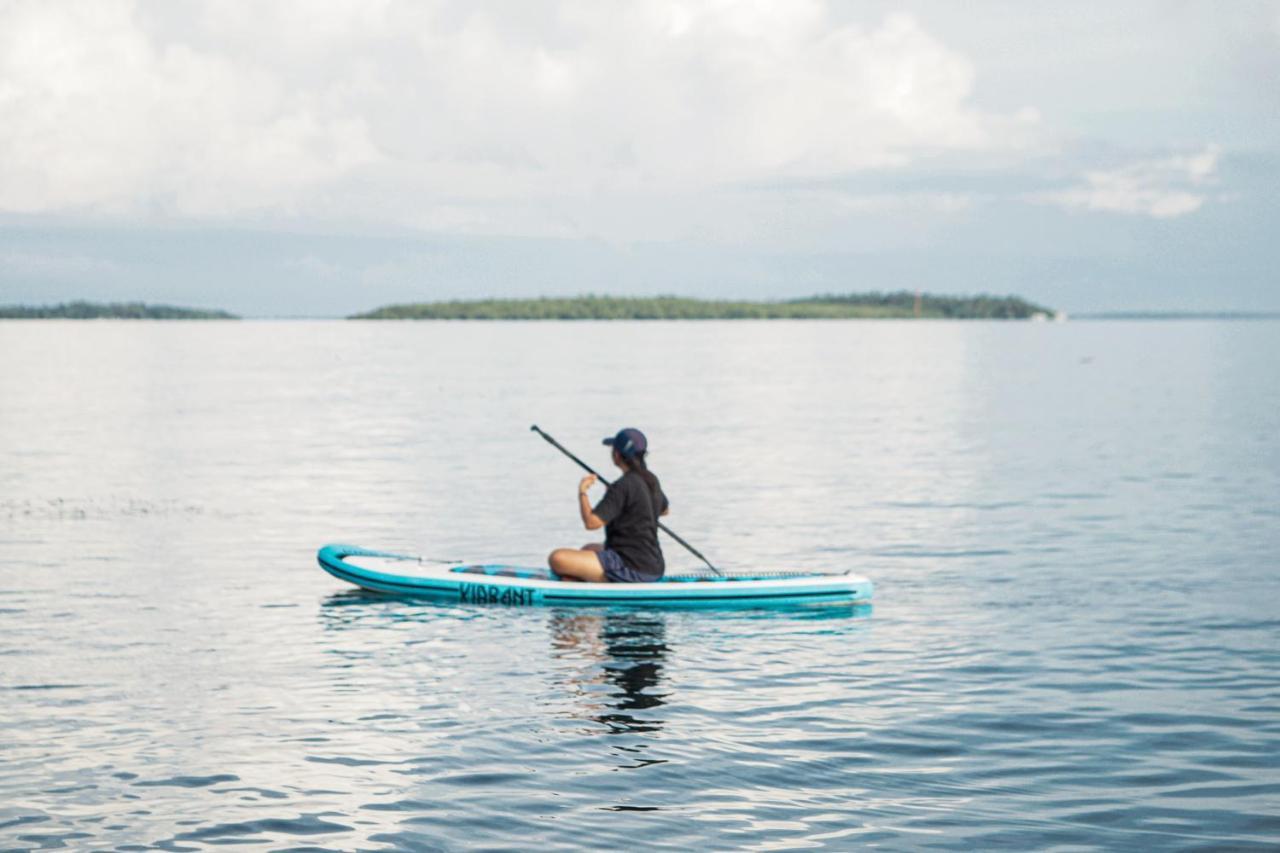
[{"x": 1073, "y": 529}]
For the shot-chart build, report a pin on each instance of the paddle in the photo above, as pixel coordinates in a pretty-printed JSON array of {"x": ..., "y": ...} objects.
[{"x": 667, "y": 530}]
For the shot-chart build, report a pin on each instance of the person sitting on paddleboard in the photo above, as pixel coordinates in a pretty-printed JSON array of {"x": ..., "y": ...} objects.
[{"x": 628, "y": 512}]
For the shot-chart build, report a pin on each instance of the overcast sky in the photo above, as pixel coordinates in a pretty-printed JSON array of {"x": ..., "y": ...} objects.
[{"x": 316, "y": 157}]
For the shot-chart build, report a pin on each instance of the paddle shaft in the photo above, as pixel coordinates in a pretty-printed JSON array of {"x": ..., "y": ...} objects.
[{"x": 667, "y": 530}]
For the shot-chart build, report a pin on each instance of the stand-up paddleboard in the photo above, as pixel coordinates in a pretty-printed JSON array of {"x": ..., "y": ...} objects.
[{"x": 404, "y": 575}]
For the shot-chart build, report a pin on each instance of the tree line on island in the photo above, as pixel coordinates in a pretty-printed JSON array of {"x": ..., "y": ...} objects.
[
  {"x": 81, "y": 310},
  {"x": 902, "y": 304}
]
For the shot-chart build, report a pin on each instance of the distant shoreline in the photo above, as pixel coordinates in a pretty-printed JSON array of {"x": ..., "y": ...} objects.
[
  {"x": 1177, "y": 315},
  {"x": 865, "y": 306},
  {"x": 80, "y": 310},
  {"x": 900, "y": 306}
]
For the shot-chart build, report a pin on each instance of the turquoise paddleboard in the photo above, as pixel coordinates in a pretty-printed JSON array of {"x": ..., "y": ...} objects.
[{"x": 514, "y": 586}]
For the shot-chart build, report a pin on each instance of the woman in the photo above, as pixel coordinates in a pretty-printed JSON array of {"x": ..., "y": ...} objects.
[{"x": 628, "y": 512}]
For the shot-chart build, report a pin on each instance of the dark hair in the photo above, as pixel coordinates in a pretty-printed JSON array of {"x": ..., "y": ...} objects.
[{"x": 637, "y": 464}]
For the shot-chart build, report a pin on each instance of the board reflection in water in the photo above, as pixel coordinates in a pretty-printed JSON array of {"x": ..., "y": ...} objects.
[{"x": 626, "y": 651}]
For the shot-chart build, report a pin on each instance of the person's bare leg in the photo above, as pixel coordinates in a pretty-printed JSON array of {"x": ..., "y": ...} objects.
[
  {"x": 595, "y": 547},
  {"x": 573, "y": 564}
]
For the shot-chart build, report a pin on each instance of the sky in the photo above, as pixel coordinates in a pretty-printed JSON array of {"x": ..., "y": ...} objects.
[{"x": 321, "y": 157}]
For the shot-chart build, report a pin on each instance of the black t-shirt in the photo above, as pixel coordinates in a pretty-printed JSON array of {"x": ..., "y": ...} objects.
[{"x": 631, "y": 524}]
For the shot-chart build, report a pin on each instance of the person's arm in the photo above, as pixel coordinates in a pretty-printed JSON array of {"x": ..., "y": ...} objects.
[{"x": 590, "y": 520}]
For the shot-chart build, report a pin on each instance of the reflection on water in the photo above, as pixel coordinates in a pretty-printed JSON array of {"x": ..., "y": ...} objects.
[
  {"x": 627, "y": 651},
  {"x": 1072, "y": 644},
  {"x": 352, "y": 608}
]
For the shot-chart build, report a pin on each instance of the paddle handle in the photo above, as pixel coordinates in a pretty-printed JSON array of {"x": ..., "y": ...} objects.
[{"x": 558, "y": 446}]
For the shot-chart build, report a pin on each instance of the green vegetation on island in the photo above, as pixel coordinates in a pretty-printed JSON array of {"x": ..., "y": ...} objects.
[
  {"x": 109, "y": 311},
  {"x": 902, "y": 304}
]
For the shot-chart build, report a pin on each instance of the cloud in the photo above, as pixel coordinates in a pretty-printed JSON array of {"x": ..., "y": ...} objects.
[
  {"x": 312, "y": 266},
  {"x": 933, "y": 202},
  {"x": 98, "y": 116},
  {"x": 464, "y": 116},
  {"x": 16, "y": 265},
  {"x": 1163, "y": 188}
]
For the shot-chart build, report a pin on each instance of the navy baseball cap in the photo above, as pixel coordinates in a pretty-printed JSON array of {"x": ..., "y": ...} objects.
[{"x": 628, "y": 442}]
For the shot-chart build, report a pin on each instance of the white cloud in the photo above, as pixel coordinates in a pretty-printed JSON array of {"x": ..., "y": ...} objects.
[
  {"x": 458, "y": 115},
  {"x": 933, "y": 202},
  {"x": 1162, "y": 189},
  {"x": 312, "y": 266},
  {"x": 98, "y": 116}
]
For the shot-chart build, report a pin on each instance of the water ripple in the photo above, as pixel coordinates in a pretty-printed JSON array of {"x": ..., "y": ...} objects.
[{"x": 1073, "y": 643}]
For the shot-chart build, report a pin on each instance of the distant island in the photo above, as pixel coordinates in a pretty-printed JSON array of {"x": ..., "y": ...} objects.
[
  {"x": 1178, "y": 315},
  {"x": 109, "y": 311},
  {"x": 902, "y": 304}
]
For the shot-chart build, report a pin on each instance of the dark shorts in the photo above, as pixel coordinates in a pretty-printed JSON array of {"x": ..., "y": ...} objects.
[{"x": 619, "y": 572}]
